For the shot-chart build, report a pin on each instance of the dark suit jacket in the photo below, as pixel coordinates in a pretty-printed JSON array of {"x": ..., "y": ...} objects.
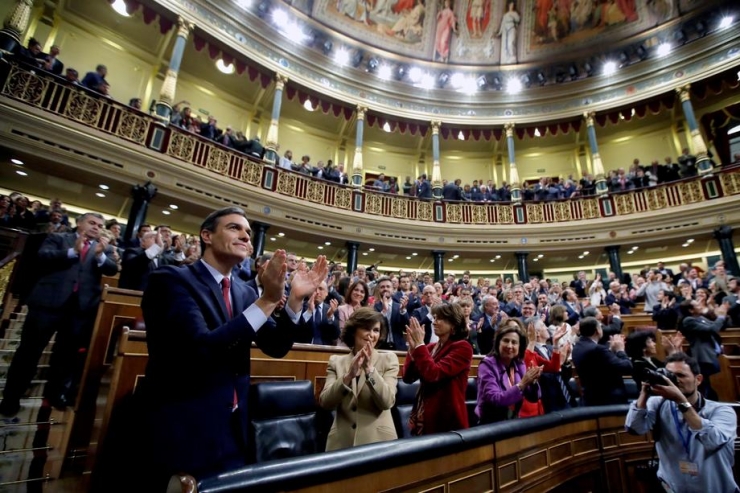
[
  {"x": 551, "y": 391},
  {"x": 702, "y": 334},
  {"x": 608, "y": 330},
  {"x": 420, "y": 314},
  {"x": 452, "y": 192},
  {"x": 487, "y": 333},
  {"x": 444, "y": 379},
  {"x": 600, "y": 371},
  {"x": 198, "y": 358},
  {"x": 136, "y": 267},
  {"x": 327, "y": 331},
  {"x": 425, "y": 190},
  {"x": 397, "y": 327},
  {"x": 573, "y": 315},
  {"x": 60, "y": 274}
]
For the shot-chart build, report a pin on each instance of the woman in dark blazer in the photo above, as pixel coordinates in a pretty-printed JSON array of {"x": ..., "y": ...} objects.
[
  {"x": 640, "y": 347},
  {"x": 443, "y": 369},
  {"x": 504, "y": 381}
]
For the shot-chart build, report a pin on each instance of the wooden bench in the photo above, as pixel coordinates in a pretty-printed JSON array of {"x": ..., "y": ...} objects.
[
  {"x": 727, "y": 382},
  {"x": 633, "y": 321},
  {"x": 118, "y": 308}
]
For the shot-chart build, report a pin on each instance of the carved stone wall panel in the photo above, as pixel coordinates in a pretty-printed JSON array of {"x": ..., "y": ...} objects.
[
  {"x": 399, "y": 209},
  {"x": 562, "y": 211},
  {"x": 373, "y": 204},
  {"x": 730, "y": 183},
  {"x": 84, "y": 109},
  {"x": 26, "y": 86},
  {"x": 424, "y": 211},
  {"x": 505, "y": 214},
  {"x": 251, "y": 173},
  {"x": 657, "y": 199},
  {"x": 591, "y": 209},
  {"x": 480, "y": 214},
  {"x": 343, "y": 198},
  {"x": 133, "y": 127}
]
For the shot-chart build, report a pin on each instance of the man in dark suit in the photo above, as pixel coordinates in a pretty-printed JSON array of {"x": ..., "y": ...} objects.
[
  {"x": 572, "y": 306},
  {"x": 320, "y": 325},
  {"x": 201, "y": 321},
  {"x": 139, "y": 262},
  {"x": 424, "y": 313},
  {"x": 555, "y": 393},
  {"x": 395, "y": 314},
  {"x": 600, "y": 368},
  {"x": 424, "y": 188},
  {"x": 704, "y": 340},
  {"x": 64, "y": 300},
  {"x": 607, "y": 330},
  {"x": 488, "y": 323},
  {"x": 453, "y": 191}
]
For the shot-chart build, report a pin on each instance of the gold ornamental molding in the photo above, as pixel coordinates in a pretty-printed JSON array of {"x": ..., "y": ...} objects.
[{"x": 706, "y": 56}]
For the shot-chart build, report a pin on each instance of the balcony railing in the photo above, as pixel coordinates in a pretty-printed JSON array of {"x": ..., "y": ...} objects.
[{"x": 75, "y": 103}]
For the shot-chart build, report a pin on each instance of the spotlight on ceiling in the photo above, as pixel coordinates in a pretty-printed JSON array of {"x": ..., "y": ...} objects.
[
  {"x": 263, "y": 9},
  {"x": 457, "y": 80},
  {"x": 496, "y": 82},
  {"x": 541, "y": 79},
  {"x": 415, "y": 74},
  {"x": 513, "y": 85},
  {"x": 526, "y": 80},
  {"x": 121, "y": 8},
  {"x": 701, "y": 28},
  {"x": 610, "y": 68},
  {"x": 401, "y": 71},
  {"x": 680, "y": 37},
  {"x": 357, "y": 57},
  {"x": 385, "y": 72},
  {"x": 641, "y": 52},
  {"x": 573, "y": 72},
  {"x": 341, "y": 56},
  {"x": 725, "y": 22},
  {"x": 443, "y": 79},
  {"x": 223, "y": 68},
  {"x": 588, "y": 68},
  {"x": 663, "y": 49},
  {"x": 372, "y": 64},
  {"x": 327, "y": 47},
  {"x": 481, "y": 82}
]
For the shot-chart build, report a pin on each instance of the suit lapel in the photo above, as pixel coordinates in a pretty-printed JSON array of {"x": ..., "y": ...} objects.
[
  {"x": 205, "y": 277},
  {"x": 238, "y": 295}
]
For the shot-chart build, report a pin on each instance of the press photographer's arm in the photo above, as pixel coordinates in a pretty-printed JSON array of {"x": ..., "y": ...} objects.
[{"x": 672, "y": 393}]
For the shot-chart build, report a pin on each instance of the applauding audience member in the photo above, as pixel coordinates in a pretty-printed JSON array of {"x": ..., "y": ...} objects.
[
  {"x": 361, "y": 386},
  {"x": 443, "y": 369}
]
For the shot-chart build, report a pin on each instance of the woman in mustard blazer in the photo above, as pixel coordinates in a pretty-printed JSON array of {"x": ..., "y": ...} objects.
[{"x": 361, "y": 386}]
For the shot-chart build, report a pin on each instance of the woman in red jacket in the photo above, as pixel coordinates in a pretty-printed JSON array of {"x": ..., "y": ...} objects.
[{"x": 443, "y": 369}]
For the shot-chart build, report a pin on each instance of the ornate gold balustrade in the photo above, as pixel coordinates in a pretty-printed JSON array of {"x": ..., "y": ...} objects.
[{"x": 54, "y": 95}]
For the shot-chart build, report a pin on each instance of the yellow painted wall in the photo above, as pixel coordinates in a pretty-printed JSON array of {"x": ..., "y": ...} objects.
[
  {"x": 621, "y": 149},
  {"x": 399, "y": 164},
  {"x": 466, "y": 166},
  {"x": 539, "y": 161},
  {"x": 297, "y": 138}
]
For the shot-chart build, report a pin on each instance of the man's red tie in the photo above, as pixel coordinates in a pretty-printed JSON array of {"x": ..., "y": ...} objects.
[
  {"x": 225, "y": 290},
  {"x": 84, "y": 251}
]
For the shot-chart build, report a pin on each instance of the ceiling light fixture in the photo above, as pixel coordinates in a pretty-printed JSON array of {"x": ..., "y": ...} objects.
[
  {"x": 690, "y": 240},
  {"x": 17, "y": 161},
  {"x": 223, "y": 68},
  {"x": 498, "y": 256},
  {"x": 364, "y": 253},
  {"x": 408, "y": 258},
  {"x": 308, "y": 106},
  {"x": 174, "y": 207},
  {"x": 387, "y": 127},
  {"x": 103, "y": 187},
  {"x": 121, "y": 8},
  {"x": 100, "y": 194},
  {"x": 273, "y": 238},
  {"x": 342, "y": 56},
  {"x": 461, "y": 135},
  {"x": 22, "y": 173},
  {"x": 725, "y": 22},
  {"x": 320, "y": 247},
  {"x": 414, "y": 254},
  {"x": 327, "y": 243},
  {"x": 371, "y": 249},
  {"x": 537, "y": 132},
  {"x": 281, "y": 234},
  {"x": 166, "y": 212},
  {"x": 385, "y": 72},
  {"x": 514, "y": 86},
  {"x": 664, "y": 49},
  {"x": 610, "y": 68}
]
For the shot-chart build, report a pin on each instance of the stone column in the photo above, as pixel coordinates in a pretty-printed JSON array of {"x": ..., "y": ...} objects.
[
  {"x": 439, "y": 265},
  {"x": 598, "y": 166},
  {"x": 699, "y": 147},
  {"x": 723, "y": 235},
  {"x": 163, "y": 106},
  {"x": 436, "y": 170},
  {"x": 259, "y": 231},
  {"x": 14, "y": 25},
  {"x": 142, "y": 195},
  {"x": 271, "y": 143},
  {"x": 352, "y": 247},
  {"x": 516, "y": 194},
  {"x": 615, "y": 264},
  {"x": 521, "y": 265},
  {"x": 357, "y": 174}
]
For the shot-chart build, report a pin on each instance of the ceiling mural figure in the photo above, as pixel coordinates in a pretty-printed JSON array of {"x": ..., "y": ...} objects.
[
  {"x": 446, "y": 26},
  {"x": 507, "y": 33},
  {"x": 478, "y": 17}
]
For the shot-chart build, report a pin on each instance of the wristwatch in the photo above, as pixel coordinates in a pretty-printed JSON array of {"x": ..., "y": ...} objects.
[{"x": 684, "y": 406}]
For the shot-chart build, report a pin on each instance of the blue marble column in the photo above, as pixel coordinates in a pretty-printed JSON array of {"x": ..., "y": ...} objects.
[
  {"x": 352, "y": 247},
  {"x": 598, "y": 165},
  {"x": 516, "y": 194},
  {"x": 163, "y": 107},
  {"x": 271, "y": 143},
  {"x": 699, "y": 147},
  {"x": 436, "y": 170},
  {"x": 439, "y": 265},
  {"x": 357, "y": 165}
]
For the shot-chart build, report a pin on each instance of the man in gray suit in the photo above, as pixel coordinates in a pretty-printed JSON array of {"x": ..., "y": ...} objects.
[
  {"x": 704, "y": 340},
  {"x": 64, "y": 300}
]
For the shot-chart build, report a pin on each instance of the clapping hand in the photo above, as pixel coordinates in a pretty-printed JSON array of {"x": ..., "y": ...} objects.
[
  {"x": 616, "y": 342},
  {"x": 673, "y": 343},
  {"x": 531, "y": 376},
  {"x": 272, "y": 277},
  {"x": 367, "y": 363},
  {"x": 333, "y": 304},
  {"x": 101, "y": 245},
  {"x": 306, "y": 281},
  {"x": 414, "y": 334},
  {"x": 559, "y": 334},
  {"x": 354, "y": 369}
]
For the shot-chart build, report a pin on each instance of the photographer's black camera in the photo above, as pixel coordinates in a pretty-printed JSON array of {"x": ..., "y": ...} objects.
[{"x": 657, "y": 377}]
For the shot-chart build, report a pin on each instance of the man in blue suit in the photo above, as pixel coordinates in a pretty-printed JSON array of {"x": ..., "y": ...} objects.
[
  {"x": 201, "y": 321},
  {"x": 64, "y": 300}
]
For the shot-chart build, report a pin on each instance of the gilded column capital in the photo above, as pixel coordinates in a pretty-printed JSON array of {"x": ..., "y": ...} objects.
[
  {"x": 361, "y": 110},
  {"x": 509, "y": 127},
  {"x": 184, "y": 28},
  {"x": 683, "y": 92},
  {"x": 435, "y": 126},
  {"x": 18, "y": 17},
  {"x": 589, "y": 117},
  {"x": 280, "y": 81}
]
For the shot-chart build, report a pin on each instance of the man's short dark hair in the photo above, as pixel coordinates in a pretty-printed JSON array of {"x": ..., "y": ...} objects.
[
  {"x": 590, "y": 311},
  {"x": 211, "y": 222},
  {"x": 588, "y": 326},
  {"x": 636, "y": 342},
  {"x": 142, "y": 227},
  {"x": 686, "y": 308},
  {"x": 162, "y": 226},
  {"x": 681, "y": 357}
]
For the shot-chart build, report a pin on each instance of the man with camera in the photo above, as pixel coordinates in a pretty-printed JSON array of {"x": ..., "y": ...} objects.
[{"x": 695, "y": 437}]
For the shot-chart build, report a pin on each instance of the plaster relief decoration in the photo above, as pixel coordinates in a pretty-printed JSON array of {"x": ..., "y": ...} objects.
[{"x": 401, "y": 26}]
